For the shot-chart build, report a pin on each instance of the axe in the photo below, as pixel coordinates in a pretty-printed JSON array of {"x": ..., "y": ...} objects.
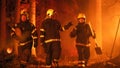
[{"x": 97, "y": 48}]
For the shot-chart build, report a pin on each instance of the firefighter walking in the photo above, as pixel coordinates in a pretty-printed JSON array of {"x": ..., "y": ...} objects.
[
  {"x": 82, "y": 33},
  {"x": 50, "y": 38},
  {"x": 25, "y": 33}
]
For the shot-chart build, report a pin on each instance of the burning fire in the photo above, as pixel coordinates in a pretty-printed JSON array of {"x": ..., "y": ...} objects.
[{"x": 9, "y": 50}]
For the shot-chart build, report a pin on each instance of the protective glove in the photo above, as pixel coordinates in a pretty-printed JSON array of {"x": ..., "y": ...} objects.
[
  {"x": 67, "y": 26},
  {"x": 94, "y": 36},
  {"x": 73, "y": 33}
]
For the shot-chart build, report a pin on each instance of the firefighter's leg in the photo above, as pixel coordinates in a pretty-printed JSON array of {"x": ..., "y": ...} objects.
[
  {"x": 55, "y": 63},
  {"x": 56, "y": 53},
  {"x": 48, "y": 55},
  {"x": 20, "y": 57},
  {"x": 49, "y": 59},
  {"x": 23, "y": 64},
  {"x": 86, "y": 54},
  {"x": 80, "y": 55},
  {"x": 25, "y": 54}
]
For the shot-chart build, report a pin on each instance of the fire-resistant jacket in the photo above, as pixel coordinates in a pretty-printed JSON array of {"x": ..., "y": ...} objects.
[
  {"x": 28, "y": 31},
  {"x": 50, "y": 29},
  {"x": 82, "y": 33}
]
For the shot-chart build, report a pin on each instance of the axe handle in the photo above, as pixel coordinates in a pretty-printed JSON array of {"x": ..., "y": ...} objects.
[
  {"x": 91, "y": 29},
  {"x": 96, "y": 43}
]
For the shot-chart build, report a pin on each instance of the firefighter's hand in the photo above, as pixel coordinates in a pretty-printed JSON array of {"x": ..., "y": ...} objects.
[
  {"x": 67, "y": 26},
  {"x": 94, "y": 36},
  {"x": 73, "y": 33},
  {"x": 18, "y": 33}
]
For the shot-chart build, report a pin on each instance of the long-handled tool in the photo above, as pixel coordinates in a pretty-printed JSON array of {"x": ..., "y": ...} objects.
[{"x": 97, "y": 48}]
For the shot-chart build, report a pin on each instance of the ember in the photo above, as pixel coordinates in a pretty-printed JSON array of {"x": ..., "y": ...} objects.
[{"x": 9, "y": 50}]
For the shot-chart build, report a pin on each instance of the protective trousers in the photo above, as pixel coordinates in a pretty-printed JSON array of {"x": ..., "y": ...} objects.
[
  {"x": 24, "y": 53},
  {"x": 53, "y": 51},
  {"x": 83, "y": 54}
]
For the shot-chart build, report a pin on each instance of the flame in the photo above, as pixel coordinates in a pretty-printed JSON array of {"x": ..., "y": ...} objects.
[{"x": 9, "y": 50}]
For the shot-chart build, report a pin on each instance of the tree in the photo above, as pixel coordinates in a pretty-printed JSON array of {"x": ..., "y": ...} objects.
[{"x": 3, "y": 23}]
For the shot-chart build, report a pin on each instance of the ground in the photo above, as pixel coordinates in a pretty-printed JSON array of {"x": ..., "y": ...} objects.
[{"x": 98, "y": 62}]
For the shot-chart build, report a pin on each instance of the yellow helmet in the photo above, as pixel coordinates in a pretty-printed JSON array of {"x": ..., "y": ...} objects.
[
  {"x": 24, "y": 12},
  {"x": 81, "y": 15},
  {"x": 50, "y": 12}
]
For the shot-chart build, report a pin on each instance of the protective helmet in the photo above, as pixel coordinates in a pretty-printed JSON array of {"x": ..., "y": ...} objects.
[
  {"x": 81, "y": 15},
  {"x": 50, "y": 12},
  {"x": 24, "y": 12}
]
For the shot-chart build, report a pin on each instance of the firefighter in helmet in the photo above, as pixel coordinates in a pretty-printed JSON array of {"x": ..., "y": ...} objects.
[
  {"x": 50, "y": 37},
  {"x": 25, "y": 33},
  {"x": 82, "y": 33}
]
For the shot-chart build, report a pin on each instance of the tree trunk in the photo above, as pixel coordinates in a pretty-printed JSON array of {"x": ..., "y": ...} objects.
[
  {"x": 3, "y": 24},
  {"x": 33, "y": 11},
  {"x": 33, "y": 19}
]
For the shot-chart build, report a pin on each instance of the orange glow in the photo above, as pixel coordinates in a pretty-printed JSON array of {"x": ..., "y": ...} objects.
[
  {"x": 9, "y": 50},
  {"x": 34, "y": 51}
]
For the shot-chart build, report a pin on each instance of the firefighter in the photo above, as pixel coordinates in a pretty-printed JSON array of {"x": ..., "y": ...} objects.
[
  {"x": 50, "y": 38},
  {"x": 25, "y": 33},
  {"x": 82, "y": 33}
]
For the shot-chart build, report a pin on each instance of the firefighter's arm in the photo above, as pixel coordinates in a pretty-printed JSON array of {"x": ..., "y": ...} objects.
[
  {"x": 67, "y": 26},
  {"x": 35, "y": 36},
  {"x": 12, "y": 32},
  {"x": 93, "y": 34},
  {"x": 16, "y": 32},
  {"x": 42, "y": 35}
]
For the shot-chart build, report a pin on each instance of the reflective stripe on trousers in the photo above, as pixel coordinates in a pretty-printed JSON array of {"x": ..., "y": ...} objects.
[{"x": 81, "y": 44}]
